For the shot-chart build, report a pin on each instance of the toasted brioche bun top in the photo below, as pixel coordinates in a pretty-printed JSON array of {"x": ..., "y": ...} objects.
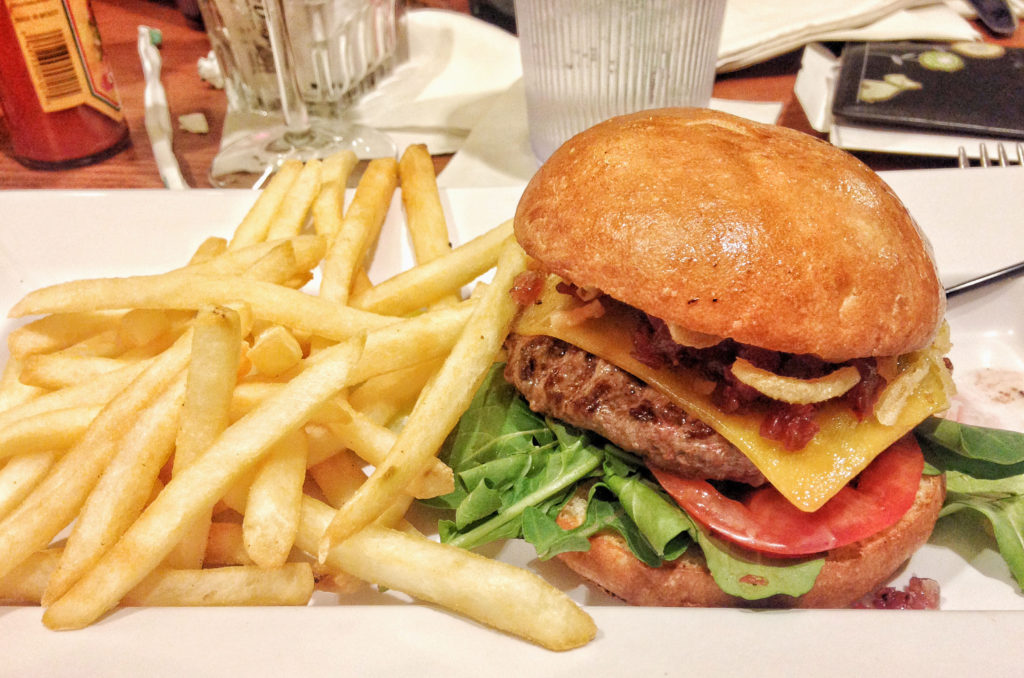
[{"x": 738, "y": 230}]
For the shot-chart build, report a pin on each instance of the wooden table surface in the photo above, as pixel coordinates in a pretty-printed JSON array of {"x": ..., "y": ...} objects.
[{"x": 183, "y": 46}]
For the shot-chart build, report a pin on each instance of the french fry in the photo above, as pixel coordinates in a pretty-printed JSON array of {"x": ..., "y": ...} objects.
[
  {"x": 402, "y": 344},
  {"x": 340, "y": 583},
  {"x": 123, "y": 489},
  {"x": 224, "y": 546},
  {"x": 195, "y": 490},
  {"x": 155, "y": 347},
  {"x": 359, "y": 229},
  {"x": 420, "y": 286},
  {"x": 382, "y": 397},
  {"x": 424, "y": 214},
  {"x": 360, "y": 282},
  {"x": 20, "y": 474},
  {"x": 56, "y": 500},
  {"x": 291, "y": 216},
  {"x": 248, "y": 394},
  {"x": 24, "y": 585},
  {"x": 322, "y": 444},
  {"x": 99, "y": 391},
  {"x": 55, "y": 332},
  {"x": 494, "y": 593},
  {"x": 212, "y": 370},
  {"x": 13, "y": 391},
  {"x": 394, "y": 516},
  {"x": 271, "y": 302},
  {"x": 103, "y": 344},
  {"x": 438, "y": 409},
  {"x": 290, "y": 584},
  {"x": 338, "y": 166},
  {"x": 329, "y": 205},
  {"x": 256, "y": 224},
  {"x": 339, "y": 476},
  {"x": 53, "y": 371},
  {"x": 47, "y": 431},
  {"x": 308, "y": 251},
  {"x": 277, "y": 266},
  {"x": 210, "y": 248},
  {"x": 275, "y": 351},
  {"x": 237, "y": 494},
  {"x": 275, "y": 497},
  {"x": 140, "y": 326},
  {"x": 254, "y": 390},
  {"x": 372, "y": 443}
]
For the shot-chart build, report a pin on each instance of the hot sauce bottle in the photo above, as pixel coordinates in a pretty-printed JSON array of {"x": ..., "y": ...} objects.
[{"x": 58, "y": 95}]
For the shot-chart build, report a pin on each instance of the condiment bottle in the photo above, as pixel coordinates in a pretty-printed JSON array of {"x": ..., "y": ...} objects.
[{"x": 58, "y": 96}]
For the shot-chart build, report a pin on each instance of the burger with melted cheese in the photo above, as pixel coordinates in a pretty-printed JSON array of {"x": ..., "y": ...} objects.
[{"x": 754, "y": 314}]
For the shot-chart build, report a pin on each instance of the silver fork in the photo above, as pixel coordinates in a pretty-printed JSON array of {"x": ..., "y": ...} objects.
[{"x": 985, "y": 160}]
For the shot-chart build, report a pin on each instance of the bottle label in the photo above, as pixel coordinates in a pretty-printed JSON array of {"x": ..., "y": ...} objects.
[{"x": 62, "y": 48}]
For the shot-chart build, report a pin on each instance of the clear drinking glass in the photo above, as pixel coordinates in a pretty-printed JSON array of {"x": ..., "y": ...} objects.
[
  {"x": 585, "y": 61},
  {"x": 298, "y": 63}
]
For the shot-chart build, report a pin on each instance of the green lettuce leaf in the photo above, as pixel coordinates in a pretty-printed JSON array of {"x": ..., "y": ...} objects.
[
  {"x": 739, "y": 575},
  {"x": 1006, "y": 515},
  {"x": 515, "y": 470},
  {"x": 975, "y": 450},
  {"x": 984, "y": 470}
]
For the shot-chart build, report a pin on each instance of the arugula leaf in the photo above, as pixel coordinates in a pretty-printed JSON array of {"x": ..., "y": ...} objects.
[
  {"x": 515, "y": 470},
  {"x": 507, "y": 459},
  {"x": 976, "y": 450},
  {"x": 497, "y": 420},
  {"x": 550, "y": 539},
  {"x": 984, "y": 473},
  {"x": 664, "y": 525},
  {"x": 738, "y": 575},
  {"x": 1006, "y": 515}
]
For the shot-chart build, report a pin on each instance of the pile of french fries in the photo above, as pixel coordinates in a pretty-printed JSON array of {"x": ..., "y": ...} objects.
[{"x": 220, "y": 434}]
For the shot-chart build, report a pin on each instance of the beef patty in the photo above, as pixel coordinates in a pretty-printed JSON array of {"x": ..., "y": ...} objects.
[{"x": 588, "y": 392}]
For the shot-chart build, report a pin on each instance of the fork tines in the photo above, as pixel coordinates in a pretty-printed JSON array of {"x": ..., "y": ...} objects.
[{"x": 1002, "y": 159}]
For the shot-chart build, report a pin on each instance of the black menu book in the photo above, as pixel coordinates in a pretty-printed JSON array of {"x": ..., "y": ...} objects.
[{"x": 968, "y": 87}]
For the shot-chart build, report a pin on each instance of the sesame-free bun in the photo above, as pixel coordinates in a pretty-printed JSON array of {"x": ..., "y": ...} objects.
[
  {"x": 849, "y": 573},
  {"x": 735, "y": 229}
]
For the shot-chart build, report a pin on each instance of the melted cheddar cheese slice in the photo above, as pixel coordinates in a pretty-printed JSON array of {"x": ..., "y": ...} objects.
[{"x": 808, "y": 477}]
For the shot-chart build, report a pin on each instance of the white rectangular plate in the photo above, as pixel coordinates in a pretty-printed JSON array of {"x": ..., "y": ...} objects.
[{"x": 974, "y": 221}]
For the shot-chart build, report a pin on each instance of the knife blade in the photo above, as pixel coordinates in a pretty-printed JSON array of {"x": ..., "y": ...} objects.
[
  {"x": 996, "y": 16},
  {"x": 982, "y": 280}
]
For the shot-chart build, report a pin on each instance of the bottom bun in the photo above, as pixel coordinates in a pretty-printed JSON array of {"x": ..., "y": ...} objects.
[{"x": 849, "y": 573}]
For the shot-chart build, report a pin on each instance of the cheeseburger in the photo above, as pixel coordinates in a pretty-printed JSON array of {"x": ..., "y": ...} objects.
[{"x": 753, "y": 314}]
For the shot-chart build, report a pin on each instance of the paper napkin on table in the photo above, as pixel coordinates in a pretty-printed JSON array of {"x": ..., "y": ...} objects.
[
  {"x": 456, "y": 67},
  {"x": 755, "y": 30}
]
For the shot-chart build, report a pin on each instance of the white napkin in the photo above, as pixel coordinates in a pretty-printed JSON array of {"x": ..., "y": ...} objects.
[
  {"x": 755, "y": 30},
  {"x": 449, "y": 71},
  {"x": 456, "y": 67},
  {"x": 814, "y": 88}
]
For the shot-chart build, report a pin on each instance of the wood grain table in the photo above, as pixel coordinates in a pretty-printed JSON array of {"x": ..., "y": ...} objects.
[{"x": 183, "y": 45}]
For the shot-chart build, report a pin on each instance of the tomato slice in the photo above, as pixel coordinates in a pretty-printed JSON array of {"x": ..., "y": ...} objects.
[{"x": 763, "y": 520}]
